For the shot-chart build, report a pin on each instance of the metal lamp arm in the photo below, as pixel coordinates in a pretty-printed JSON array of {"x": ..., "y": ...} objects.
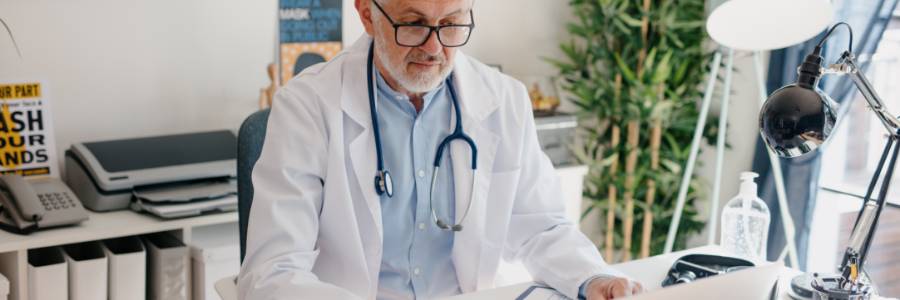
[
  {"x": 847, "y": 65},
  {"x": 890, "y": 122}
]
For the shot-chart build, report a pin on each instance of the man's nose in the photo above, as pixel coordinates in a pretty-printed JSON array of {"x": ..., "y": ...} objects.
[{"x": 432, "y": 46}]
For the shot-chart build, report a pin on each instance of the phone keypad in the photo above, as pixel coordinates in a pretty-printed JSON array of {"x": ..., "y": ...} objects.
[{"x": 56, "y": 200}]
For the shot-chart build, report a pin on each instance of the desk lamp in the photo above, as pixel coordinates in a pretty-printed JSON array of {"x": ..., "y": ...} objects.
[
  {"x": 798, "y": 118},
  {"x": 736, "y": 24}
]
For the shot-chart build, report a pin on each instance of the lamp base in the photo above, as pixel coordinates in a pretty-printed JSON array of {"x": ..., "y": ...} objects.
[{"x": 801, "y": 287}]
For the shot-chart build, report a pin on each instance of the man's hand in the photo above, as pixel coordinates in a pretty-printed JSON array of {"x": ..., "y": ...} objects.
[{"x": 605, "y": 288}]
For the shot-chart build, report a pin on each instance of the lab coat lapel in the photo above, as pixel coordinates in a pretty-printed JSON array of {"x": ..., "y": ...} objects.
[
  {"x": 476, "y": 103},
  {"x": 355, "y": 103}
]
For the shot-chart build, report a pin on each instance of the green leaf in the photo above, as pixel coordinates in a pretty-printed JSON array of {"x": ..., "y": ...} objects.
[
  {"x": 671, "y": 165},
  {"x": 621, "y": 26},
  {"x": 609, "y": 160},
  {"x": 662, "y": 109},
  {"x": 649, "y": 61},
  {"x": 675, "y": 40},
  {"x": 629, "y": 20},
  {"x": 623, "y": 6},
  {"x": 687, "y": 25},
  {"x": 663, "y": 70},
  {"x": 563, "y": 66},
  {"x": 673, "y": 144},
  {"x": 626, "y": 72},
  {"x": 679, "y": 75}
]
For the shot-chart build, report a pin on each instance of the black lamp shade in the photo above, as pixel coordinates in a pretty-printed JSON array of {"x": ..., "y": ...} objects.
[{"x": 796, "y": 120}]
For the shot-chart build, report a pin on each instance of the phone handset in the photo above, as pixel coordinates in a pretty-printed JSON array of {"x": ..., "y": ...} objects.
[{"x": 24, "y": 196}]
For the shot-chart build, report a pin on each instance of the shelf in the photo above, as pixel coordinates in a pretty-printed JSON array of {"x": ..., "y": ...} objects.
[{"x": 104, "y": 225}]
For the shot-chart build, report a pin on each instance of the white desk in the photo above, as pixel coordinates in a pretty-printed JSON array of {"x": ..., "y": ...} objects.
[{"x": 649, "y": 271}]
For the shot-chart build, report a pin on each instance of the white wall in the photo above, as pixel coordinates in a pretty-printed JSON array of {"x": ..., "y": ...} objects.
[{"x": 122, "y": 69}]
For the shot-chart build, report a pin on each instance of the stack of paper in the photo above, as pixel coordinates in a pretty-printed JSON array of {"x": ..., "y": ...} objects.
[{"x": 188, "y": 199}]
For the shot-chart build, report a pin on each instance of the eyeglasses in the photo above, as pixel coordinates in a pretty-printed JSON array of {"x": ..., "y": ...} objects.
[{"x": 411, "y": 35}]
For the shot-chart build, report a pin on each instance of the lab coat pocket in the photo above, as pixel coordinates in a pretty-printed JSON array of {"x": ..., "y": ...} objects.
[{"x": 501, "y": 195}]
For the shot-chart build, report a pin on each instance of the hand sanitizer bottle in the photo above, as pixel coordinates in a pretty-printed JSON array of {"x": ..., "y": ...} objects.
[{"x": 745, "y": 222}]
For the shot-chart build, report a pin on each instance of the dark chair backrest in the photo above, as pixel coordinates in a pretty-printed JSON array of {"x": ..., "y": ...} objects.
[{"x": 250, "y": 142}]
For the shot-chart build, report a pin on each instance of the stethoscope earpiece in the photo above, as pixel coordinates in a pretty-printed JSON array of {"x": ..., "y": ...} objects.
[{"x": 442, "y": 225}]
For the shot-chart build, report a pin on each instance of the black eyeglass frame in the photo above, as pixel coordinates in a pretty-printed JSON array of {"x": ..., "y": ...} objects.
[{"x": 431, "y": 29}]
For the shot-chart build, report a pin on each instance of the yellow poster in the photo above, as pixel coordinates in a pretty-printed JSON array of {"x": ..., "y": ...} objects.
[{"x": 27, "y": 144}]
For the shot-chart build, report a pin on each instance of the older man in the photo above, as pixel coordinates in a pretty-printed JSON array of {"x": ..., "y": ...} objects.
[{"x": 322, "y": 228}]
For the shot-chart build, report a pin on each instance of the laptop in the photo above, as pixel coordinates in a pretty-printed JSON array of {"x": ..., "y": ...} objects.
[{"x": 760, "y": 283}]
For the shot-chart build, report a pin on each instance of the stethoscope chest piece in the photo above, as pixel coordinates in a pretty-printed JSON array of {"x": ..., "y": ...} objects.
[{"x": 384, "y": 183}]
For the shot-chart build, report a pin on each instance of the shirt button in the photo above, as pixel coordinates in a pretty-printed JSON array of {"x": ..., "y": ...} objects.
[
  {"x": 421, "y": 173},
  {"x": 417, "y": 122},
  {"x": 416, "y": 271},
  {"x": 399, "y": 97},
  {"x": 374, "y": 250},
  {"x": 421, "y": 225}
]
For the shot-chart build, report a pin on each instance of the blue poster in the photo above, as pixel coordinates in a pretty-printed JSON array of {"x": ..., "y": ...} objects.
[{"x": 309, "y": 33}]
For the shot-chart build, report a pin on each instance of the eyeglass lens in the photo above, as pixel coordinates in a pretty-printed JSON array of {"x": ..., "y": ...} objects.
[{"x": 416, "y": 35}]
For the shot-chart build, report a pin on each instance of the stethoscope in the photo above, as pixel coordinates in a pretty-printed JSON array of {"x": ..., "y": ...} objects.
[{"x": 383, "y": 183}]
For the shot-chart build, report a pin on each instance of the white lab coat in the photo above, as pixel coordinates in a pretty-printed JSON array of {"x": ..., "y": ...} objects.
[{"x": 315, "y": 225}]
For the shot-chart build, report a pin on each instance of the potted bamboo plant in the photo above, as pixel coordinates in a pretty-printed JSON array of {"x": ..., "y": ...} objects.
[{"x": 633, "y": 68}]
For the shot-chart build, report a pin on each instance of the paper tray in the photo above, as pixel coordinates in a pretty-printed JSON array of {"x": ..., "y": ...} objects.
[
  {"x": 202, "y": 190},
  {"x": 184, "y": 209}
]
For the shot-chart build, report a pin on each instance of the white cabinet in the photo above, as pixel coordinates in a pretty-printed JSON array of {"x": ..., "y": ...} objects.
[
  {"x": 100, "y": 226},
  {"x": 572, "y": 180}
]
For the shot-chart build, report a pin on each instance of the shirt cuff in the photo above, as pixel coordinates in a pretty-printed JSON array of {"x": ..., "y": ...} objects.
[{"x": 582, "y": 292}]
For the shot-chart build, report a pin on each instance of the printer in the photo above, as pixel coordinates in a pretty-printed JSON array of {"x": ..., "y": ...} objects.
[{"x": 170, "y": 176}]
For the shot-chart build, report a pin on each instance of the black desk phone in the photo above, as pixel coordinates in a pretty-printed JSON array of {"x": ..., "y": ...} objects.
[{"x": 31, "y": 205}]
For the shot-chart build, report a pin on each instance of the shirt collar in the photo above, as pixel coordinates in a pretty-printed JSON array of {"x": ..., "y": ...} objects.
[{"x": 403, "y": 99}]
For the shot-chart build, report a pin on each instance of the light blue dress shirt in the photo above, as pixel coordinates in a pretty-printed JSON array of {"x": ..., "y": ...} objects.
[{"x": 416, "y": 263}]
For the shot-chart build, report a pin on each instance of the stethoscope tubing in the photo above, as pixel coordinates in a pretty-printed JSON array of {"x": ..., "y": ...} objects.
[
  {"x": 457, "y": 227},
  {"x": 372, "y": 110},
  {"x": 457, "y": 134}
]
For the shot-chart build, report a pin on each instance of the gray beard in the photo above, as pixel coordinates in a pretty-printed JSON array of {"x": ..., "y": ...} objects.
[{"x": 418, "y": 82}]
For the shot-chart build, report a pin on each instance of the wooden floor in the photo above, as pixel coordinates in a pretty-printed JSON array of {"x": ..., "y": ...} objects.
[{"x": 884, "y": 257}]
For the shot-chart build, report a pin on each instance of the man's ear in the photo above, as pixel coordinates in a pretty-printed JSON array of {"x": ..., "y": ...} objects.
[{"x": 365, "y": 15}]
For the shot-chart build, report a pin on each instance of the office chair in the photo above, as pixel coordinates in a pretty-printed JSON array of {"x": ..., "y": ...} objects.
[
  {"x": 250, "y": 142},
  {"x": 249, "y": 145}
]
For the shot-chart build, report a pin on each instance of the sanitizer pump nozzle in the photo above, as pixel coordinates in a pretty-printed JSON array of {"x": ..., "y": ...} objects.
[{"x": 748, "y": 188}]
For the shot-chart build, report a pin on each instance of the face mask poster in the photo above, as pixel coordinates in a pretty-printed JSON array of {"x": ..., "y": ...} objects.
[
  {"x": 27, "y": 144},
  {"x": 309, "y": 32}
]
